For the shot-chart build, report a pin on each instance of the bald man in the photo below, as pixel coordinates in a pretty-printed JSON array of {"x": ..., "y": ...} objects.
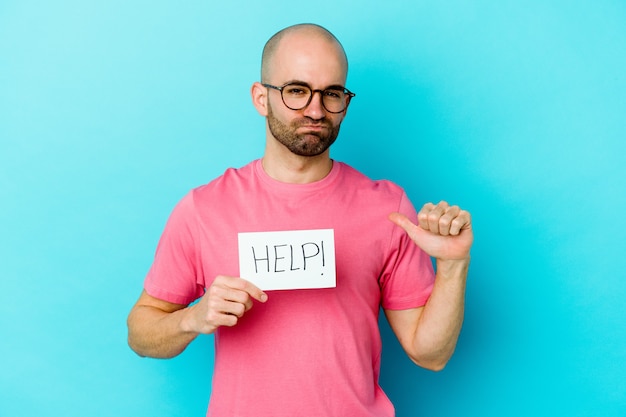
[{"x": 312, "y": 351}]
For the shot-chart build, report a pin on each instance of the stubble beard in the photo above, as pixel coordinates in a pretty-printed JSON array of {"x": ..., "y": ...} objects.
[{"x": 309, "y": 144}]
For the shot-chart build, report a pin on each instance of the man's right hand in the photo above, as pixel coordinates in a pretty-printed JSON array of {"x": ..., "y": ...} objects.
[{"x": 223, "y": 304}]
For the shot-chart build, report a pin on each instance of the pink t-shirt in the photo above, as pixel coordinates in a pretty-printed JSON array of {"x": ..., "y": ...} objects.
[{"x": 313, "y": 352}]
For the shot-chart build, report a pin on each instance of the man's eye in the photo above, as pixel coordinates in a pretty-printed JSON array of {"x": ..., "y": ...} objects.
[
  {"x": 335, "y": 94},
  {"x": 295, "y": 91}
]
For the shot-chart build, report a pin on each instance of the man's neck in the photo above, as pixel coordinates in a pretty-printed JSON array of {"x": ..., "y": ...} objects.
[{"x": 295, "y": 169}]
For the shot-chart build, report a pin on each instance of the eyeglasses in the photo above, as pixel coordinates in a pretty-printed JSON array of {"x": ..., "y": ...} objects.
[{"x": 297, "y": 96}]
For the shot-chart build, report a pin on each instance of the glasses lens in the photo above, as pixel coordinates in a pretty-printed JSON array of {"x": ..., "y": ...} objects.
[
  {"x": 334, "y": 100},
  {"x": 296, "y": 96}
]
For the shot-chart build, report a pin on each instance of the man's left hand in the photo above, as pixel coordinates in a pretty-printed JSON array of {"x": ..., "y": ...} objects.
[{"x": 444, "y": 232}]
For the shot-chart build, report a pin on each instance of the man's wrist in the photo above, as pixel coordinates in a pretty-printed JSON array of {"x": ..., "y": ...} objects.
[{"x": 453, "y": 267}]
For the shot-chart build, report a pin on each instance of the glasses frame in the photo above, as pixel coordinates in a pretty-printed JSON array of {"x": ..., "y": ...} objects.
[{"x": 349, "y": 93}]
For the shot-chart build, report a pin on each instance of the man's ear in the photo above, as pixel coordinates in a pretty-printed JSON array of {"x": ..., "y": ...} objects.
[{"x": 259, "y": 98}]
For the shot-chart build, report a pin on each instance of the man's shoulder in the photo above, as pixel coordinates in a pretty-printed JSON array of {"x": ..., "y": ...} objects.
[
  {"x": 230, "y": 176},
  {"x": 362, "y": 181}
]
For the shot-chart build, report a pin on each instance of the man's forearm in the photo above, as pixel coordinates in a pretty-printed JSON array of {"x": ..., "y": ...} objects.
[
  {"x": 156, "y": 333},
  {"x": 442, "y": 317}
]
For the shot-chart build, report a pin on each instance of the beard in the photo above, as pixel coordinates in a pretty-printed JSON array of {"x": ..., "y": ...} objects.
[{"x": 302, "y": 144}]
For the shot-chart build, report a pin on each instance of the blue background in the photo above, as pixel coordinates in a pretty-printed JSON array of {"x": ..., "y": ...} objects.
[{"x": 110, "y": 111}]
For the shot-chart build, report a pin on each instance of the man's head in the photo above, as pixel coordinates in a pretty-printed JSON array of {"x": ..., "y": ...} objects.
[
  {"x": 306, "y": 30},
  {"x": 309, "y": 56}
]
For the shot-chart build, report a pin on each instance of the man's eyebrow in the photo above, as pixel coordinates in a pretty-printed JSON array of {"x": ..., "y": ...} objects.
[
  {"x": 305, "y": 84},
  {"x": 298, "y": 82},
  {"x": 335, "y": 87}
]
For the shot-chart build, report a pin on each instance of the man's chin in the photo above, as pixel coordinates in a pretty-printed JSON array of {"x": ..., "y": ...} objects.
[{"x": 310, "y": 145}]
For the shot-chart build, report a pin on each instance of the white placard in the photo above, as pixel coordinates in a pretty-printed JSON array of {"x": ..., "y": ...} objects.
[{"x": 288, "y": 260}]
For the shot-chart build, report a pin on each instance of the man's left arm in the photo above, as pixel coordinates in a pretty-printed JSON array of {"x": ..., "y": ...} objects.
[{"x": 429, "y": 334}]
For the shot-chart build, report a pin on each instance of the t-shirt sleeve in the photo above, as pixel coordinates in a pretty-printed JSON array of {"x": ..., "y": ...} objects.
[
  {"x": 175, "y": 274},
  {"x": 408, "y": 277}
]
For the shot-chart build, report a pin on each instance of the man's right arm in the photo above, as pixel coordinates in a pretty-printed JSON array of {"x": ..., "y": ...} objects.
[{"x": 160, "y": 329}]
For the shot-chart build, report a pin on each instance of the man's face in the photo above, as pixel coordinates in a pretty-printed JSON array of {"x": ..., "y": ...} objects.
[
  {"x": 302, "y": 135},
  {"x": 318, "y": 63}
]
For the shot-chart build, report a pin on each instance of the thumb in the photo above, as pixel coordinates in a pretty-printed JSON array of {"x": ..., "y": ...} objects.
[{"x": 413, "y": 230}]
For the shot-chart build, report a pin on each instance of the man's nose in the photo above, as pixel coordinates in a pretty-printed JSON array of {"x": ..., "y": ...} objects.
[{"x": 315, "y": 110}]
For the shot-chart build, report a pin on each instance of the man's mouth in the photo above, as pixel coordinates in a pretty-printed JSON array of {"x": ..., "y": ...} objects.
[{"x": 314, "y": 127}]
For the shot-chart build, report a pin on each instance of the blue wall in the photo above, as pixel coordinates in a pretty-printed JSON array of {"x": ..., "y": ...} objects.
[{"x": 110, "y": 111}]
